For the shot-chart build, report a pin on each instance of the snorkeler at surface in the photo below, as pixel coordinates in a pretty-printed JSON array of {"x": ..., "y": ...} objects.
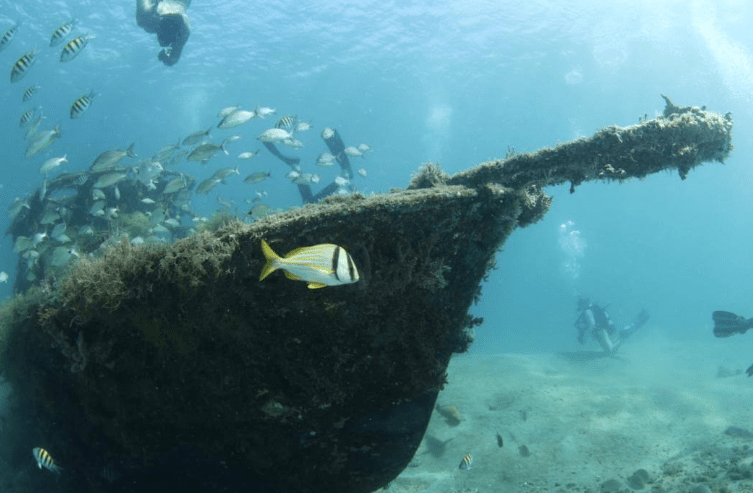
[
  {"x": 168, "y": 19},
  {"x": 594, "y": 318},
  {"x": 728, "y": 324}
]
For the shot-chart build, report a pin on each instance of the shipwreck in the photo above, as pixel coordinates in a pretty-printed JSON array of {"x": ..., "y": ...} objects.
[{"x": 176, "y": 367}]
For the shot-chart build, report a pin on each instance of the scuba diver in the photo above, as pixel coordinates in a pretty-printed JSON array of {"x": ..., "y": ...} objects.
[
  {"x": 168, "y": 19},
  {"x": 727, "y": 324},
  {"x": 594, "y": 318}
]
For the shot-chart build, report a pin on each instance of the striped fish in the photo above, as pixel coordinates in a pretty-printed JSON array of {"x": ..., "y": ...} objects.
[
  {"x": 7, "y": 37},
  {"x": 26, "y": 117},
  {"x": 319, "y": 265},
  {"x": 23, "y": 65},
  {"x": 81, "y": 104},
  {"x": 287, "y": 122},
  {"x": 466, "y": 463},
  {"x": 44, "y": 459},
  {"x": 29, "y": 92},
  {"x": 74, "y": 47},
  {"x": 59, "y": 34}
]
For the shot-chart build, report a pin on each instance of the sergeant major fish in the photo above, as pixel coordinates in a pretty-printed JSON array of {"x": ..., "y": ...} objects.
[
  {"x": 44, "y": 459},
  {"x": 466, "y": 463},
  {"x": 26, "y": 117},
  {"x": 22, "y": 65},
  {"x": 29, "y": 92},
  {"x": 74, "y": 47},
  {"x": 8, "y": 37},
  {"x": 59, "y": 34},
  {"x": 82, "y": 104},
  {"x": 319, "y": 265}
]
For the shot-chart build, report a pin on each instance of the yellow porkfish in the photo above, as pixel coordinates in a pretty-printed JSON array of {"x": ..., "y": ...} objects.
[{"x": 319, "y": 265}]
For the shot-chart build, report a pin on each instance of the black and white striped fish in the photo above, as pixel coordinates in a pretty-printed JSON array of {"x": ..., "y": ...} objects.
[
  {"x": 287, "y": 122},
  {"x": 29, "y": 92},
  {"x": 59, "y": 34},
  {"x": 8, "y": 37},
  {"x": 22, "y": 65},
  {"x": 26, "y": 117},
  {"x": 74, "y": 47},
  {"x": 81, "y": 104},
  {"x": 466, "y": 463},
  {"x": 44, "y": 459},
  {"x": 319, "y": 265}
]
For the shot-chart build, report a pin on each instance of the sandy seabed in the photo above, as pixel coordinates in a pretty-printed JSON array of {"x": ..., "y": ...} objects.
[{"x": 590, "y": 424}]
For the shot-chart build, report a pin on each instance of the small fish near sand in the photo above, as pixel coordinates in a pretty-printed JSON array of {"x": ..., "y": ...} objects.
[
  {"x": 45, "y": 460},
  {"x": 450, "y": 414},
  {"x": 467, "y": 463},
  {"x": 319, "y": 265}
]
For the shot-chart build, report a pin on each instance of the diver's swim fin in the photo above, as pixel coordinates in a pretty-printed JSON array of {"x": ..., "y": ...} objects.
[{"x": 728, "y": 324}]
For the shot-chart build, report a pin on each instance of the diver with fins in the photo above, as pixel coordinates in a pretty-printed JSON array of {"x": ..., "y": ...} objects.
[
  {"x": 594, "y": 319},
  {"x": 727, "y": 324}
]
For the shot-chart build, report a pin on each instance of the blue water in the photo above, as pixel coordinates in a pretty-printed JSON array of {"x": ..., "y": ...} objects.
[{"x": 455, "y": 82}]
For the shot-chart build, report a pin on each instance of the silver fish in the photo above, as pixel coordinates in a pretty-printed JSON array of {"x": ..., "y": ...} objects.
[
  {"x": 8, "y": 37},
  {"x": 362, "y": 172},
  {"x": 263, "y": 112},
  {"x": 109, "y": 179},
  {"x": 364, "y": 148},
  {"x": 16, "y": 207},
  {"x": 226, "y": 111},
  {"x": 111, "y": 158},
  {"x": 257, "y": 177},
  {"x": 174, "y": 185},
  {"x": 97, "y": 207},
  {"x": 205, "y": 151},
  {"x": 22, "y": 65},
  {"x": 223, "y": 173},
  {"x": 53, "y": 163},
  {"x": 82, "y": 104},
  {"x": 196, "y": 137},
  {"x": 42, "y": 141},
  {"x": 352, "y": 152},
  {"x": 59, "y": 34},
  {"x": 275, "y": 135},
  {"x": 98, "y": 194},
  {"x": 207, "y": 185},
  {"x": 60, "y": 256},
  {"x": 327, "y": 133},
  {"x": 34, "y": 126},
  {"x": 326, "y": 159},
  {"x": 248, "y": 154},
  {"x": 74, "y": 47},
  {"x": 237, "y": 117},
  {"x": 22, "y": 244},
  {"x": 302, "y": 126},
  {"x": 294, "y": 143}
]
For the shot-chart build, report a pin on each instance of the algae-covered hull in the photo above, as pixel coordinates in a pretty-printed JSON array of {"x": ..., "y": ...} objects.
[{"x": 180, "y": 353}]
